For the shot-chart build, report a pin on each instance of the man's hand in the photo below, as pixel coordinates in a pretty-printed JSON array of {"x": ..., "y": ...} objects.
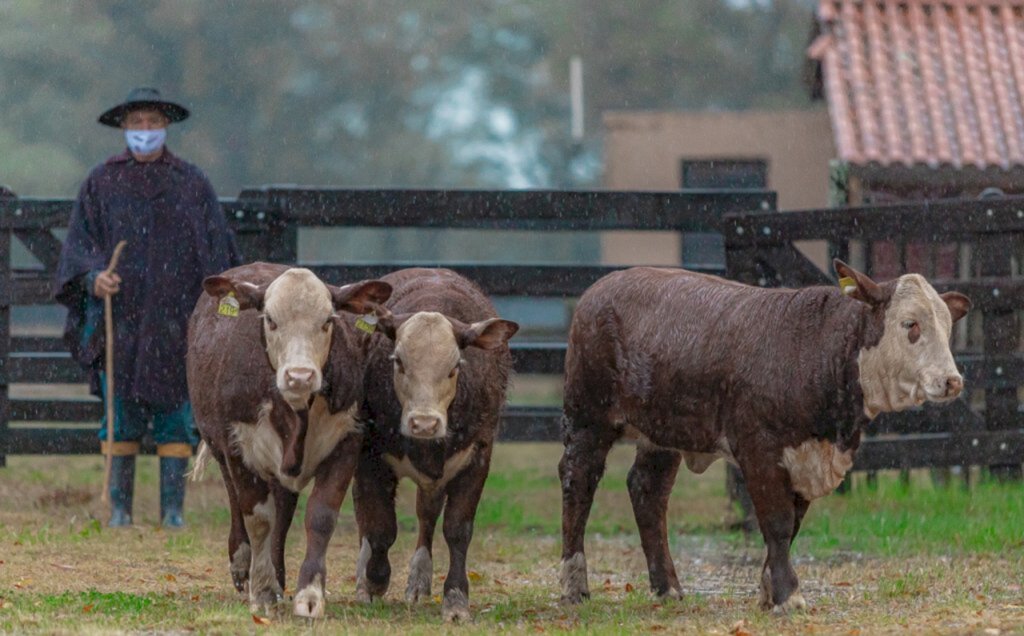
[{"x": 106, "y": 284}]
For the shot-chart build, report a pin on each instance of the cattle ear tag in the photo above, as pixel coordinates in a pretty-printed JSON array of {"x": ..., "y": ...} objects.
[
  {"x": 367, "y": 323},
  {"x": 228, "y": 306},
  {"x": 847, "y": 285}
]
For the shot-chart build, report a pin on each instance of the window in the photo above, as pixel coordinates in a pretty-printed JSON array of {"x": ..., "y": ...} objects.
[{"x": 724, "y": 173}]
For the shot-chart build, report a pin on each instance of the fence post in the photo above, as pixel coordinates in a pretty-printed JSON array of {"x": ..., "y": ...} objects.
[
  {"x": 6, "y": 284},
  {"x": 1000, "y": 335}
]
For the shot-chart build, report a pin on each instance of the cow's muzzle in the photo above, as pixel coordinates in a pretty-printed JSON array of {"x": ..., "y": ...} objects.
[{"x": 424, "y": 425}]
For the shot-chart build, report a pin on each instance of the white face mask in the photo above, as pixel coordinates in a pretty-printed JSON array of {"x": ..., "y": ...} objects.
[{"x": 144, "y": 142}]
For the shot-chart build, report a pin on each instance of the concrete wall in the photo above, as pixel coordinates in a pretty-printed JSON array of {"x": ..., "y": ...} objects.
[{"x": 643, "y": 151}]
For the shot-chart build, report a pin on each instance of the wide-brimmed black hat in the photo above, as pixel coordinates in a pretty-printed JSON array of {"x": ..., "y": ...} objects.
[{"x": 142, "y": 98}]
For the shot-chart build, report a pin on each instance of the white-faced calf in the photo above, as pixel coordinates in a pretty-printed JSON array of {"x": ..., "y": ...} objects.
[
  {"x": 436, "y": 384},
  {"x": 779, "y": 382},
  {"x": 276, "y": 379}
]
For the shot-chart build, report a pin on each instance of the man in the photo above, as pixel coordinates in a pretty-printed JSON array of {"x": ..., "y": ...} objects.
[{"x": 167, "y": 211}]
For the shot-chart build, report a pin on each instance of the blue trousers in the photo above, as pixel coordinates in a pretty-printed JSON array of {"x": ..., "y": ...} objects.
[{"x": 132, "y": 419}]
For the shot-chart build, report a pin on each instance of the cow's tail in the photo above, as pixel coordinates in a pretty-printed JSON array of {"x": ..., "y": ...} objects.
[{"x": 202, "y": 458}]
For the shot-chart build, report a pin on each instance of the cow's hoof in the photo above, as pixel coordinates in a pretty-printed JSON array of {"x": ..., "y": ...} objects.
[
  {"x": 421, "y": 570},
  {"x": 795, "y": 603},
  {"x": 309, "y": 602},
  {"x": 672, "y": 594},
  {"x": 265, "y": 601},
  {"x": 239, "y": 567},
  {"x": 455, "y": 608},
  {"x": 573, "y": 579}
]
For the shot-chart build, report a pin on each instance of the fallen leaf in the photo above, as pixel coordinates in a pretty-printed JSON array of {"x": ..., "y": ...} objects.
[
  {"x": 260, "y": 620},
  {"x": 657, "y": 628},
  {"x": 499, "y": 582},
  {"x": 62, "y": 566},
  {"x": 437, "y": 597},
  {"x": 629, "y": 586},
  {"x": 843, "y": 584},
  {"x": 169, "y": 577},
  {"x": 474, "y": 576},
  {"x": 23, "y": 583},
  {"x": 739, "y": 628},
  {"x": 195, "y": 597},
  {"x": 88, "y": 608}
]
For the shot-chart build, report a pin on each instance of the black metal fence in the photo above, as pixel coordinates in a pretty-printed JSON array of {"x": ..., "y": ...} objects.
[
  {"x": 760, "y": 249},
  {"x": 267, "y": 221}
]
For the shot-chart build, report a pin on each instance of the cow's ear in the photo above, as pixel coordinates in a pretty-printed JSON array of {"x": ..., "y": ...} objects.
[
  {"x": 486, "y": 334},
  {"x": 360, "y": 298},
  {"x": 858, "y": 285},
  {"x": 249, "y": 296},
  {"x": 958, "y": 304}
]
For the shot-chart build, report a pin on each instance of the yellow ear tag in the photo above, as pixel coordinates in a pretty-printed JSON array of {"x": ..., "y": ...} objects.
[
  {"x": 228, "y": 306},
  {"x": 847, "y": 285},
  {"x": 367, "y": 323}
]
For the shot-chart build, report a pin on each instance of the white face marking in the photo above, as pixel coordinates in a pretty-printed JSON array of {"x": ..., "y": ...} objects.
[
  {"x": 816, "y": 467},
  {"x": 297, "y": 312},
  {"x": 262, "y": 449},
  {"x": 455, "y": 464},
  {"x": 898, "y": 373},
  {"x": 426, "y": 374}
]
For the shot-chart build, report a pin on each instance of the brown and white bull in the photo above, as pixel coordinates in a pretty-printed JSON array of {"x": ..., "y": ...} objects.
[
  {"x": 780, "y": 382},
  {"x": 275, "y": 391},
  {"x": 436, "y": 384}
]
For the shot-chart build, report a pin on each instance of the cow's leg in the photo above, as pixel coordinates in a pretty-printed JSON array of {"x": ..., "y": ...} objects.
[
  {"x": 421, "y": 568},
  {"x": 257, "y": 505},
  {"x": 775, "y": 505},
  {"x": 463, "y": 496},
  {"x": 650, "y": 484},
  {"x": 332, "y": 480},
  {"x": 800, "y": 506},
  {"x": 284, "y": 510},
  {"x": 374, "y": 498},
  {"x": 239, "y": 553},
  {"x": 581, "y": 467}
]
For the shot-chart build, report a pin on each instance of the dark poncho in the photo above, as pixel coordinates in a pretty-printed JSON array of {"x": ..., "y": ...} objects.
[{"x": 168, "y": 213}]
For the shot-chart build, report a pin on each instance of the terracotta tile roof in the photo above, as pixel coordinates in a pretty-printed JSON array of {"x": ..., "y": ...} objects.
[{"x": 924, "y": 82}]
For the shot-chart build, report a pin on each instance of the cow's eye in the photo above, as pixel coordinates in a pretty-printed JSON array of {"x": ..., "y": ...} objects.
[
  {"x": 271, "y": 325},
  {"x": 327, "y": 325},
  {"x": 455, "y": 369},
  {"x": 399, "y": 367}
]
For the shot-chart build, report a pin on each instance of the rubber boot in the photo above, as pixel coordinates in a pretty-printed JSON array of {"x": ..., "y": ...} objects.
[
  {"x": 122, "y": 487},
  {"x": 172, "y": 491}
]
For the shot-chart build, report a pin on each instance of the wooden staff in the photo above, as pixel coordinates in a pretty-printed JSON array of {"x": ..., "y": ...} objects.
[{"x": 108, "y": 319}]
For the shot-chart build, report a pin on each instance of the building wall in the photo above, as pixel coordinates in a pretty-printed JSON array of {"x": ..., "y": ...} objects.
[{"x": 643, "y": 151}]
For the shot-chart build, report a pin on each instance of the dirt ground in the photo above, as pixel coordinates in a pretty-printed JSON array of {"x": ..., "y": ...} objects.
[{"x": 62, "y": 572}]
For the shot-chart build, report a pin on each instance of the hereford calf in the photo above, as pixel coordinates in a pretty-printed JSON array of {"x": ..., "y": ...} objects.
[
  {"x": 779, "y": 382},
  {"x": 435, "y": 387},
  {"x": 276, "y": 381}
]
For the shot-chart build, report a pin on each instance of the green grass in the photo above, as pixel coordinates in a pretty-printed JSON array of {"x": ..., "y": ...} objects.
[{"x": 895, "y": 519}]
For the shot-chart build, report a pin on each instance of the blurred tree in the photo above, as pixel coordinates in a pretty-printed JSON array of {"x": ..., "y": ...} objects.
[{"x": 388, "y": 93}]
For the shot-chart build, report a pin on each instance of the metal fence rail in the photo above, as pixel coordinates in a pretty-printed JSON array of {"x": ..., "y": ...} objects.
[
  {"x": 266, "y": 221},
  {"x": 760, "y": 249}
]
